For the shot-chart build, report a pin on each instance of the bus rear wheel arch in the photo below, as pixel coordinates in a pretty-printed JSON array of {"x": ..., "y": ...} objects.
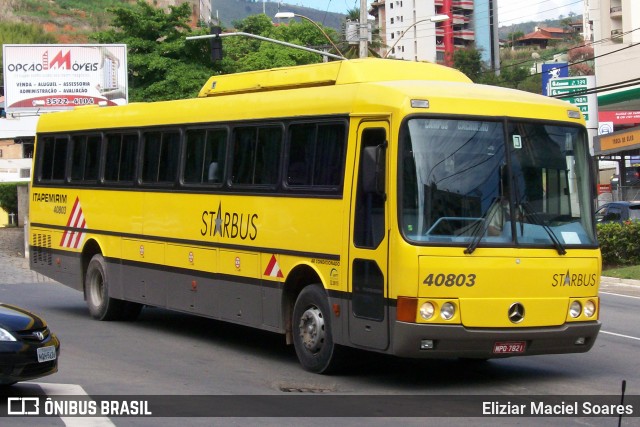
[
  {"x": 96, "y": 288},
  {"x": 312, "y": 334}
]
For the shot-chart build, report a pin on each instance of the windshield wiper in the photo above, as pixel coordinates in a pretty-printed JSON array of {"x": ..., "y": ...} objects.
[
  {"x": 538, "y": 221},
  {"x": 479, "y": 231}
]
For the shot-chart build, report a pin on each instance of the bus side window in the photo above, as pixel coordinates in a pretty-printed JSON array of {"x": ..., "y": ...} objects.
[
  {"x": 213, "y": 175},
  {"x": 300, "y": 154},
  {"x": 256, "y": 155},
  {"x": 268, "y": 156},
  {"x": 315, "y": 154},
  {"x": 244, "y": 148},
  {"x": 121, "y": 156},
  {"x": 205, "y": 153},
  {"x": 54, "y": 159},
  {"x": 92, "y": 158},
  {"x": 160, "y": 156},
  {"x": 78, "y": 156}
]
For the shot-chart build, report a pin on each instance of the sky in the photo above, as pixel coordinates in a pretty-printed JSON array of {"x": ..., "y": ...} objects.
[{"x": 509, "y": 11}]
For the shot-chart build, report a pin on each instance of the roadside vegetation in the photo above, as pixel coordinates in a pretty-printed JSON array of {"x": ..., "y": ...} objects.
[
  {"x": 623, "y": 272},
  {"x": 620, "y": 246}
]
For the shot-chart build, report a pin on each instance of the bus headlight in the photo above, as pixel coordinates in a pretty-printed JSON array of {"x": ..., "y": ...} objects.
[
  {"x": 447, "y": 311},
  {"x": 575, "y": 309},
  {"x": 589, "y": 308},
  {"x": 426, "y": 310}
]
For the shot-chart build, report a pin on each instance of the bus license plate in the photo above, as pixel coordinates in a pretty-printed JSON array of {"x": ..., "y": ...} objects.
[
  {"x": 509, "y": 347},
  {"x": 46, "y": 354}
]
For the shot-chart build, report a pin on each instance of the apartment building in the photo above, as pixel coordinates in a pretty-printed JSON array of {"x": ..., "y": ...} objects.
[
  {"x": 408, "y": 33},
  {"x": 613, "y": 26}
]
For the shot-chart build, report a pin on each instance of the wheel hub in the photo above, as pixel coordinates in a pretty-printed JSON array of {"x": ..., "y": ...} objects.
[{"x": 312, "y": 330}]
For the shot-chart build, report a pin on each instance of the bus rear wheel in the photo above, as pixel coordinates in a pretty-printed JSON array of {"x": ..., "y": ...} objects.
[
  {"x": 312, "y": 337},
  {"x": 101, "y": 305}
]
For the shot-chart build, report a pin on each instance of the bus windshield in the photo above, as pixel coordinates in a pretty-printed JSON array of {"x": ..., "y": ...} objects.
[{"x": 471, "y": 182}]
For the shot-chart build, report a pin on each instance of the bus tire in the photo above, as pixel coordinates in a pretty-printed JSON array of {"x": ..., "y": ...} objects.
[
  {"x": 312, "y": 337},
  {"x": 96, "y": 286}
]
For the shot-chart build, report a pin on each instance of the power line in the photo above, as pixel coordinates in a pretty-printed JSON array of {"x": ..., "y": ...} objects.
[
  {"x": 541, "y": 12},
  {"x": 588, "y": 44},
  {"x": 590, "y": 59}
]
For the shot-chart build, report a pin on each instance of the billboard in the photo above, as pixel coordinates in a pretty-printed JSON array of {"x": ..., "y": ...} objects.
[{"x": 56, "y": 77}]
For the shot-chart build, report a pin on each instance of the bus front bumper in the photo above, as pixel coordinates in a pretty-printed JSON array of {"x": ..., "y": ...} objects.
[{"x": 444, "y": 341}]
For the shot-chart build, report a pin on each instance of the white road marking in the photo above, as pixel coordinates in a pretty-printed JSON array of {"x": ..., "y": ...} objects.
[
  {"x": 620, "y": 295},
  {"x": 620, "y": 335},
  {"x": 51, "y": 389}
]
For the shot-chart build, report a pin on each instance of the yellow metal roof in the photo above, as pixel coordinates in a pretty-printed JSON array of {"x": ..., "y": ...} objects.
[
  {"x": 326, "y": 74},
  {"x": 367, "y": 86}
]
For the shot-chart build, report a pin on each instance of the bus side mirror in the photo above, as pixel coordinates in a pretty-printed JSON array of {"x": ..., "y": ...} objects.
[{"x": 373, "y": 169}]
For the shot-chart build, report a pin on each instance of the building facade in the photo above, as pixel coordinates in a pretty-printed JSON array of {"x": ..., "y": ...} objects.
[
  {"x": 614, "y": 27},
  {"x": 408, "y": 33}
]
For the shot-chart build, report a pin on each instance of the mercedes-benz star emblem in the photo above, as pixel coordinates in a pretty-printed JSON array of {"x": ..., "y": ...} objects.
[{"x": 516, "y": 312}]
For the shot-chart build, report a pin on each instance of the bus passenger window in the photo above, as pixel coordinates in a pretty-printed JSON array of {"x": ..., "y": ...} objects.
[
  {"x": 301, "y": 150},
  {"x": 85, "y": 158},
  {"x": 92, "y": 158},
  {"x": 160, "y": 157},
  {"x": 244, "y": 155},
  {"x": 205, "y": 155},
  {"x": 54, "y": 159},
  {"x": 256, "y": 159},
  {"x": 316, "y": 154},
  {"x": 268, "y": 156},
  {"x": 213, "y": 174},
  {"x": 121, "y": 154}
]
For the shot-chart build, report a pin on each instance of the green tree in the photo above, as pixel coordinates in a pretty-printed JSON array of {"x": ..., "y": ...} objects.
[
  {"x": 9, "y": 197},
  {"x": 469, "y": 61},
  {"x": 248, "y": 54},
  {"x": 18, "y": 33},
  {"x": 162, "y": 64},
  {"x": 512, "y": 37},
  {"x": 513, "y": 76}
]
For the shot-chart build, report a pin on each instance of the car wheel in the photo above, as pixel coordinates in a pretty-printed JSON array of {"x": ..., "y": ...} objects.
[{"x": 312, "y": 337}]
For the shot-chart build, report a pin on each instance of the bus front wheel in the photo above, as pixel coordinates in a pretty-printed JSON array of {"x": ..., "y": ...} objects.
[
  {"x": 312, "y": 337},
  {"x": 101, "y": 305}
]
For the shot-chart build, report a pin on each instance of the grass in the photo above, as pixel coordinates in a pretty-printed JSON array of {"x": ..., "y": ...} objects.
[{"x": 623, "y": 272}]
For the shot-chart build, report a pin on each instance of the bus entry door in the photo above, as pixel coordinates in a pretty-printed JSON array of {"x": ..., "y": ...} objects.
[{"x": 368, "y": 246}]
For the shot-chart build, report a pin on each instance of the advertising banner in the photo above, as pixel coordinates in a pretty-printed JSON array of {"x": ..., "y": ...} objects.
[{"x": 62, "y": 76}]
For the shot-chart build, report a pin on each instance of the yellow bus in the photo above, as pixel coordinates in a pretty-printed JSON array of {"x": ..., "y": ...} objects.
[{"x": 385, "y": 205}]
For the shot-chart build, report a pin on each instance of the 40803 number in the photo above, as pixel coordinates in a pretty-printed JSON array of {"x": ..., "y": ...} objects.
[{"x": 450, "y": 280}]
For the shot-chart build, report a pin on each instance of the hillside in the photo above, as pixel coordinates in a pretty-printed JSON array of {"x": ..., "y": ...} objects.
[
  {"x": 529, "y": 27},
  {"x": 71, "y": 21}
]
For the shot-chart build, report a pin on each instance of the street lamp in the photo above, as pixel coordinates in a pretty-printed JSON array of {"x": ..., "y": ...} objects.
[
  {"x": 434, "y": 18},
  {"x": 290, "y": 15}
]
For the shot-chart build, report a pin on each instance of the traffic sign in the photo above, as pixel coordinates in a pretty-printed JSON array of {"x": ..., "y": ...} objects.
[{"x": 565, "y": 87}]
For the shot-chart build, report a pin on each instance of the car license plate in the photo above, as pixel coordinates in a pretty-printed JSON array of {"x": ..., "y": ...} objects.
[
  {"x": 46, "y": 354},
  {"x": 509, "y": 347}
]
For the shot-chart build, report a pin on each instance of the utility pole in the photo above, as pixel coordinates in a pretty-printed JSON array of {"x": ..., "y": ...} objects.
[{"x": 364, "y": 30}]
